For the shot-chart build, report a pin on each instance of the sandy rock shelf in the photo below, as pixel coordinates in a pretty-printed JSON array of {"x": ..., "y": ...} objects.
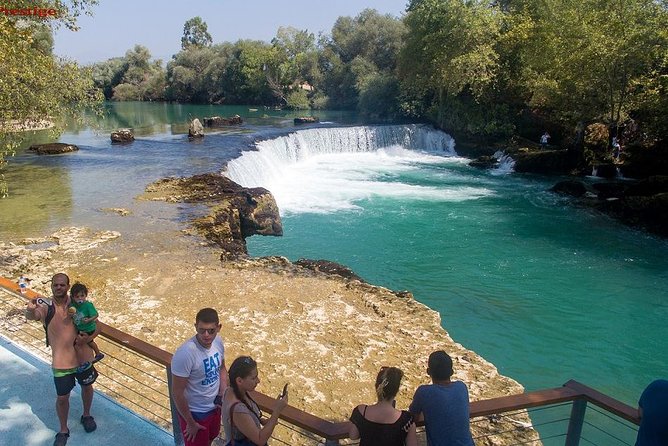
[{"x": 326, "y": 335}]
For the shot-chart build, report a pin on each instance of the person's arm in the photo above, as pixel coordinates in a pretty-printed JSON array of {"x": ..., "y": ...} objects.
[
  {"x": 34, "y": 312},
  {"x": 224, "y": 378},
  {"x": 85, "y": 338},
  {"x": 411, "y": 435},
  {"x": 180, "y": 401},
  {"x": 353, "y": 431},
  {"x": 87, "y": 320},
  {"x": 416, "y": 407},
  {"x": 245, "y": 422}
]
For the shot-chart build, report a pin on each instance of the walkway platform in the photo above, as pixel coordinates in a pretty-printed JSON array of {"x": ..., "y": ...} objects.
[{"x": 28, "y": 416}]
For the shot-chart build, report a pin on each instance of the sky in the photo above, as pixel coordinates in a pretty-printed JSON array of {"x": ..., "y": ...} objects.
[{"x": 118, "y": 25}]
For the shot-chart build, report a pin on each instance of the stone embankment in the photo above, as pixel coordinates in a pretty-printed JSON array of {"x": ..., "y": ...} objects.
[{"x": 324, "y": 333}]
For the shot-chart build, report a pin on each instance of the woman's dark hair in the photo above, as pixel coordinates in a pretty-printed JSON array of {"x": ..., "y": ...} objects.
[
  {"x": 242, "y": 367},
  {"x": 78, "y": 288},
  {"x": 387, "y": 383}
]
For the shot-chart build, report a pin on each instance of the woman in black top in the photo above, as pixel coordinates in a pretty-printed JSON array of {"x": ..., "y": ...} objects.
[{"x": 381, "y": 424}]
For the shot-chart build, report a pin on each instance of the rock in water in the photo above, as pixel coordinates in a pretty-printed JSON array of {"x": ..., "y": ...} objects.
[
  {"x": 196, "y": 129},
  {"x": 122, "y": 136},
  {"x": 306, "y": 120},
  {"x": 235, "y": 212},
  {"x": 54, "y": 148},
  {"x": 217, "y": 121}
]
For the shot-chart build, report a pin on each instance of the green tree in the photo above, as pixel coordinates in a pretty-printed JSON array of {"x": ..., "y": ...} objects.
[
  {"x": 195, "y": 33},
  {"x": 360, "y": 48},
  {"x": 108, "y": 74},
  {"x": 449, "y": 60},
  {"x": 244, "y": 80},
  {"x": 189, "y": 75},
  {"x": 589, "y": 60},
  {"x": 292, "y": 61}
]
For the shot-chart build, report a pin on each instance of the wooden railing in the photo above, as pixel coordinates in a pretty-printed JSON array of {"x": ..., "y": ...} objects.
[{"x": 571, "y": 392}]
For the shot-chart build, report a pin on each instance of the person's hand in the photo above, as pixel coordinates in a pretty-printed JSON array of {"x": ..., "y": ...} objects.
[
  {"x": 281, "y": 402},
  {"x": 192, "y": 429},
  {"x": 29, "y": 312},
  {"x": 82, "y": 339}
]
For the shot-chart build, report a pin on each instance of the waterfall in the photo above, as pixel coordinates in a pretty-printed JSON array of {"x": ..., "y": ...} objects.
[
  {"x": 506, "y": 163},
  {"x": 264, "y": 166}
]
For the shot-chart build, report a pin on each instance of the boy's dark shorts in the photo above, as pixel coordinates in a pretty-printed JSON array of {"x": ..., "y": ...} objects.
[{"x": 65, "y": 384}]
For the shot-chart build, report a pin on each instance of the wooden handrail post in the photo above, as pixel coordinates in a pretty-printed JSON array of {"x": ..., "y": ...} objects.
[
  {"x": 576, "y": 421},
  {"x": 176, "y": 428}
]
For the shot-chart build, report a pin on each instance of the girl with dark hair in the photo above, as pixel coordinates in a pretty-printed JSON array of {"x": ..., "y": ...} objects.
[
  {"x": 242, "y": 418},
  {"x": 381, "y": 424}
]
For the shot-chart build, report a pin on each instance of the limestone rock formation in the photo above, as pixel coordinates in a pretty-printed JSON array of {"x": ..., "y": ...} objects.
[
  {"x": 235, "y": 213},
  {"x": 54, "y": 148},
  {"x": 196, "y": 129},
  {"x": 122, "y": 136},
  {"x": 329, "y": 267},
  {"x": 217, "y": 121}
]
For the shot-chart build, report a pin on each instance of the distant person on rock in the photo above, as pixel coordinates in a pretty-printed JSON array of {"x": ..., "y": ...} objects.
[
  {"x": 543, "y": 140},
  {"x": 61, "y": 336},
  {"x": 444, "y": 405},
  {"x": 380, "y": 424},
  {"x": 199, "y": 378},
  {"x": 653, "y": 411},
  {"x": 616, "y": 148}
]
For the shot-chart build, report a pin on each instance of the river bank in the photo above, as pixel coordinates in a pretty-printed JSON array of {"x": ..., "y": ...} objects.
[{"x": 325, "y": 335}]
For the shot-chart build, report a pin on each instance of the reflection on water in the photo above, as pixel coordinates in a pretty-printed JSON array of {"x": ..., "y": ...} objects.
[{"x": 38, "y": 195}]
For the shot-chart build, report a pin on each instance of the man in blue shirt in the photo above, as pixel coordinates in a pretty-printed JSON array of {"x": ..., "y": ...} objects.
[
  {"x": 653, "y": 410},
  {"x": 444, "y": 405}
]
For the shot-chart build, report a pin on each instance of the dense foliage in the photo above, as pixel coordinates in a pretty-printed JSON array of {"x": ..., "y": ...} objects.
[{"x": 483, "y": 70}]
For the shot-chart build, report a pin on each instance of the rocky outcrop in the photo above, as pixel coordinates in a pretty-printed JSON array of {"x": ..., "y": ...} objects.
[
  {"x": 306, "y": 120},
  {"x": 329, "y": 267},
  {"x": 54, "y": 148},
  {"x": 235, "y": 213},
  {"x": 196, "y": 129},
  {"x": 122, "y": 136},
  {"x": 643, "y": 204},
  {"x": 217, "y": 121},
  {"x": 546, "y": 162}
]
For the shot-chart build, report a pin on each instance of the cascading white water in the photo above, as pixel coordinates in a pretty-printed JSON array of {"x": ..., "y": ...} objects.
[
  {"x": 332, "y": 169},
  {"x": 259, "y": 168},
  {"x": 506, "y": 163}
]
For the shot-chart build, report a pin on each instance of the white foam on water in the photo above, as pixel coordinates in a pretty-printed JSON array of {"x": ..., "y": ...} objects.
[{"x": 330, "y": 170}]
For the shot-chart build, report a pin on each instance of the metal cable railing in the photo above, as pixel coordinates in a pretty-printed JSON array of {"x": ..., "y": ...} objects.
[{"x": 138, "y": 375}]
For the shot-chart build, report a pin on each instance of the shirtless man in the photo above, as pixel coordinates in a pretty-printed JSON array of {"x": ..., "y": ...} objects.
[{"x": 61, "y": 335}]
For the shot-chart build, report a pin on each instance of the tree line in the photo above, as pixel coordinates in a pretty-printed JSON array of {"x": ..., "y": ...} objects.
[{"x": 481, "y": 70}]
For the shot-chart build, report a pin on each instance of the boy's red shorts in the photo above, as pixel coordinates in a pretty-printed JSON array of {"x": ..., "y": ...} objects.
[{"x": 204, "y": 436}]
